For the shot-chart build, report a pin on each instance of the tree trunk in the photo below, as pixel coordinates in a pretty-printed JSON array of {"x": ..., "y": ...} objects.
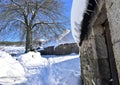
[{"x": 28, "y": 40}]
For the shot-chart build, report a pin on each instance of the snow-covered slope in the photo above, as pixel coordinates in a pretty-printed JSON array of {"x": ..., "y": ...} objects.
[
  {"x": 78, "y": 9},
  {"x": 11, "y": 71}
]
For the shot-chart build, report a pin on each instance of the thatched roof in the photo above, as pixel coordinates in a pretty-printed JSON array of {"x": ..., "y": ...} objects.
[
  {"x": 87, "y": 17},
  {"x": 81, "y": 24}
]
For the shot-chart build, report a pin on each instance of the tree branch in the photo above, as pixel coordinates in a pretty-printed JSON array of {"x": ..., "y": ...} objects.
[
  {"x": 46, "y": 23},
  {"x": 34, "y": 14}
]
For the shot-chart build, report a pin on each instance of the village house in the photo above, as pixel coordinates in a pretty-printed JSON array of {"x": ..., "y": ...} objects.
[{"x": 99, "y": 42}]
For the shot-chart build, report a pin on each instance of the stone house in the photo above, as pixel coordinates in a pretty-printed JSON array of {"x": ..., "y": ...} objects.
[{"x": 100, "y": 44}]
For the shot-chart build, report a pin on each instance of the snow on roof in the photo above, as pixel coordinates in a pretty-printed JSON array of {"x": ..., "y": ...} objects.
[
  {"x": 40, "y": 40},
  {"x": 65, "y": 38},
  {"x": 81, "y": 16},
  {"x": 63, "y": 34},
  {"x": 78, "y": 9}
]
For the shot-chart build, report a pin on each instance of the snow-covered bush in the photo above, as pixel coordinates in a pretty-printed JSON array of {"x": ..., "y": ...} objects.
[{"x": 31, "y": 59}]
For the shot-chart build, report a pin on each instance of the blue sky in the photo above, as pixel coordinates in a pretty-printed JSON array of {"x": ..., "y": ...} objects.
[{"x": 68, "y": 4}]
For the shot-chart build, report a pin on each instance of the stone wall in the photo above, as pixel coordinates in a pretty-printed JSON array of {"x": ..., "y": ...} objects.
[
  {"x": 62, "y": 49},
  {"x": 113, "y": 13},
  {"x": 100, "y": 51},
  {"x": 48, "y": 51},
  {"x": 94, "y": 59}
]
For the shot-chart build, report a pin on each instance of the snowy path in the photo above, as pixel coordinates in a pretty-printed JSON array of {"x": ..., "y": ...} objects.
[
  {"x": 60, "y": 70},
  {"x": 62, "y": 58}
]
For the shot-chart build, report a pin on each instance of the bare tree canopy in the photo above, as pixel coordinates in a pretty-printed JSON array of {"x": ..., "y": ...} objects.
[{"x": 32, "y": 18}]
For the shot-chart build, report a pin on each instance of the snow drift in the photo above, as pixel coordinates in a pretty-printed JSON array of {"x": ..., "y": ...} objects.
[
  {"x": 31, "y": 59},
  {"x": 11, "y": 71}
]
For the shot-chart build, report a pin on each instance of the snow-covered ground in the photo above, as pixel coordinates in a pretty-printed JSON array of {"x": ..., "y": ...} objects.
[
  {"x": 33, "y": 69},
  {"x": 11, "y": 71},
  {"x": 13, "y": 50}
]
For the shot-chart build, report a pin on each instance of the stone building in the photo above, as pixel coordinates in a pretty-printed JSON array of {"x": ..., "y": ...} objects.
[{"x": 100, "y": 43}]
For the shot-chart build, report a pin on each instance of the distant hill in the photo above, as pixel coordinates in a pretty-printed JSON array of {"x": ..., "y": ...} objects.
[{"x": 7, "y": 43}]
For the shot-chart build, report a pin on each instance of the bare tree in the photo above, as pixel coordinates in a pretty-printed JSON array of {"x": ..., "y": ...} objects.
[{"x": 32, "y": 18}]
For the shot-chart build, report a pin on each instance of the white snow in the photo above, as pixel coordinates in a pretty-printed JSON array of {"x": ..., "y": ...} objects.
[
  {"x": 33, "y": 69},
  {"x": 78, "y": 9},
  {"x": 63, "y": 34},
  {"x": 13, "y": 49},
  {"x": 66, "y": 38},
  {"x": 11, "y": 71},
  {"x": 60, "y": 70},
  {"x": 33, "y": 59},
  {"x": 61, "y": 59}
]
